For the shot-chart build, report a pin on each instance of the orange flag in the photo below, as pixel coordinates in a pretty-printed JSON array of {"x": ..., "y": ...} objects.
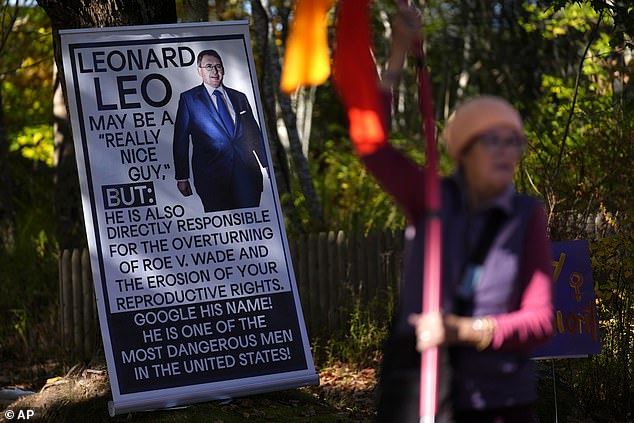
[
  {"x": 356, "y": 77},
  {"x": 307, "y": 58}
]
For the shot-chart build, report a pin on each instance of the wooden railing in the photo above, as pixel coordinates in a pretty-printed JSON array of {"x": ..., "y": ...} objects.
[{"x": 79, "y": 325}]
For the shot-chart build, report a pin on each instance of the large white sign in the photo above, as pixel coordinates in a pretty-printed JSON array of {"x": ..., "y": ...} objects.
[{"x": 194, "y": 283}]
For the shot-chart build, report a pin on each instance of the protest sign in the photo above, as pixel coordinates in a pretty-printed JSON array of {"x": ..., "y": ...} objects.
[
  {"x": 195, "y": 287},
  {"x": 576, "y": 325}
]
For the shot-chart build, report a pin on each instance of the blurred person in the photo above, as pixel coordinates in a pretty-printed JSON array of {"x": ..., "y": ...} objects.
[{"x": 496, "y": 260}]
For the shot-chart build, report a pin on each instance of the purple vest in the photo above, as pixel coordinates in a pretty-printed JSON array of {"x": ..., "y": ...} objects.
[{"x": 487, "y": 379}]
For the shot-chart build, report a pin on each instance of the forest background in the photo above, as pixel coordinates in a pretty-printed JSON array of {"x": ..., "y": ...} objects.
[{"x": 566, "y": 65}]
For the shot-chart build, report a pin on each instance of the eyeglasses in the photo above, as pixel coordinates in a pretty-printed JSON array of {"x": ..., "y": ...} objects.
[
  {"x": 218, "y": 68},
  {"x": 495, "y": 142}
]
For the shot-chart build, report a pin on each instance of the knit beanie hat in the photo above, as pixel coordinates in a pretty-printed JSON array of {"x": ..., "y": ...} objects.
[{"x": 476, "y": 116}]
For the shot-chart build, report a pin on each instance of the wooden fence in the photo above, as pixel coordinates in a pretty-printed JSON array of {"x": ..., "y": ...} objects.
[
  {"x": 335, "y": 272},
  {"x": 78, "y": 321}
]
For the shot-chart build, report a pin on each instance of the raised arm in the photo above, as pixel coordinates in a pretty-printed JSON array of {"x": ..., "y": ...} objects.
[{"x": 367, "y": 100}]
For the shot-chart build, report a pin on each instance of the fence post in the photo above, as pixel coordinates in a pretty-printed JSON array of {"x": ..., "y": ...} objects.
[
  {"x": 344, "y": 287},
  {"x": 353, "y": 263},
  {"x": 66, "y": 300},
  {"x": 88, "y": 295},
  {"x": 322, "y": 281},
  {"x": 303, "y": 282},
  {"x": 388, "y": 269},
  {"x": 78, "y": 304},
  {"x": 313, "y": 283},
  {"x": 332, "y": 281}
]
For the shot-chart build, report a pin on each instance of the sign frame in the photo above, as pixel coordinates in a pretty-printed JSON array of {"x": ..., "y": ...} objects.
[{"x": 99, "y": 85}]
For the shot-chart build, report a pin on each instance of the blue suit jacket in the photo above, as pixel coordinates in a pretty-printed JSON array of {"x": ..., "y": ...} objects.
[{"x": 224, "y": 168}]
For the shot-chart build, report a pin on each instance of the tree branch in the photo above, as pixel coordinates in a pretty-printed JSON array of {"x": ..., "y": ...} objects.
[
  {"x": 6, "y": 31},
  {"x": 593, "y": 36}
]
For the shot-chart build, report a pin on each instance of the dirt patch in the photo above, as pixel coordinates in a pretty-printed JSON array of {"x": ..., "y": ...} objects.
[
  {"x": 345, "y": 394},
  {"x": 348, "y": 388}
]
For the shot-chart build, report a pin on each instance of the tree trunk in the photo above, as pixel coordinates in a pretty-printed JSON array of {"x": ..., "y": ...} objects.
[
  {"x": 273, "y": 70},
  {"x": 305, "y": 102},
  {"x": 72, "y": 14},
  {"x": 299, "y": 160},
  {"x": 221, "y": 6},
  {"x": 69, "y": 221},
  {"x": 263, "y": 42},
  {"x": 195, "y": 11},
  {"x": 7, "y": 218}
]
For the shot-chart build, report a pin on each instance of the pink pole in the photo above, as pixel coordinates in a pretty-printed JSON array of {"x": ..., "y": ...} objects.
[{"x": 432, "y": 257}]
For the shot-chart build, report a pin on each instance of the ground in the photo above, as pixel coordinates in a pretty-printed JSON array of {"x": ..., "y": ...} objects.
[{"x": 345, "y": 394}]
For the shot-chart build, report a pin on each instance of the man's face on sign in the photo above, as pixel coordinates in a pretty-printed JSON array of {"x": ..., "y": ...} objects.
[{"x": 211, "y": 71}]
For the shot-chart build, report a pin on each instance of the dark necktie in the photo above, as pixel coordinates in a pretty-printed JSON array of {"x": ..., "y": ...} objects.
[{"x": 223, "y": 110}]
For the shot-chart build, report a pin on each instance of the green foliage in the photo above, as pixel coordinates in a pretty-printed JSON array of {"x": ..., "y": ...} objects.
[
  {"x": 355, "y": 203},
  {"x": 605, "y": 384},
  {"x": 35, "y": 143},
  {"x": 556, "y": 22},
  {"x": 362, "y": 343},
  {"x": 577, "y": 158},
  {"x": 28, "y": 275},
  {"x": 28, "y": 280},
  {"x": 579, "y": 162},
  {"x": 26, "y": 71}
]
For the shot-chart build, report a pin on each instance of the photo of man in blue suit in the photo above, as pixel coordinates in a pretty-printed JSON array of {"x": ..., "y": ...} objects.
[{"x": 227, "y": 144}]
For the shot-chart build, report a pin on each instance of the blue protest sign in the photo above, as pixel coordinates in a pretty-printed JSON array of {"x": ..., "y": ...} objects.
[{"x": 576, "y": 324}]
